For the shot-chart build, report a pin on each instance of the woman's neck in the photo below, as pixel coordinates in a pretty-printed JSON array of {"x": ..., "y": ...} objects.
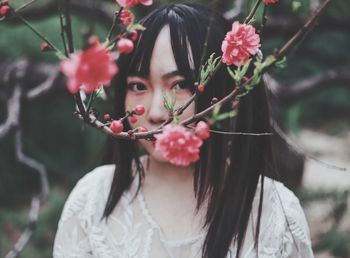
[{"x": 166, "y": 174}]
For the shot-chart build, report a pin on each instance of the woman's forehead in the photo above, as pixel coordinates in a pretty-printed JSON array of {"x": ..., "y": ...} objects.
[{"x": 162, "y": 59}]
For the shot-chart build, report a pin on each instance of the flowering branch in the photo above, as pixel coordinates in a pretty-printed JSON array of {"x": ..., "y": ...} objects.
[
  {"x": 240, "y": 89},
  {"x": 272, "y": 59}
]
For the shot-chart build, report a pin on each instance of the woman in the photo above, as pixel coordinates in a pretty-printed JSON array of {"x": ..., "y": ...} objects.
[{"x": 221, "y": 206}]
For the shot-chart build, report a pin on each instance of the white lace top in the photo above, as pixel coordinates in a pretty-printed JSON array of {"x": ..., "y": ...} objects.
[{"x": 131, "y": 231}]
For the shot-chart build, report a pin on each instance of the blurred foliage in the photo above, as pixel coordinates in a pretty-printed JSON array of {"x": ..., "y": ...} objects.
[{"x": 68, "y": 149}]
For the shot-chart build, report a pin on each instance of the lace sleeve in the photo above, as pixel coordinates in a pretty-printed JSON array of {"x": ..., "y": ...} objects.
[
  {"x": 296, "y": 240},
  {"x": 71, "y": 238}
]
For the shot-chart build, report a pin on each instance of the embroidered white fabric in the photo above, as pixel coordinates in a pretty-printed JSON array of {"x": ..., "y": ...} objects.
[{"x": 131, "y": 231}]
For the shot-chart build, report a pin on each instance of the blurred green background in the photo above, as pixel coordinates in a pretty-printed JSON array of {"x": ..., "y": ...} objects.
[{"x": 68, "y": 149}]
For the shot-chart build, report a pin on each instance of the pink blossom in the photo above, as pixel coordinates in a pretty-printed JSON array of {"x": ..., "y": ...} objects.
[
  {"x": 89, "y": 69},
  {"x": 126, "y": 17},
  {"x": 270, "y": 1},
  {"x": 202, "y": 130},
  {"x": 239, "y": 43},
  {"x": 178, "y": 145},
  {"x": 132, "y": 3}
]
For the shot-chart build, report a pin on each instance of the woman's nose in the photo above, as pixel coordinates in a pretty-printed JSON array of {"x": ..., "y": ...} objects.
[{"x": 157, "y": 113}]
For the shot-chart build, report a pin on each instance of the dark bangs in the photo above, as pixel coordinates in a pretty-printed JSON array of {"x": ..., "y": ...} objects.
[{"x": 188, "y": 32}]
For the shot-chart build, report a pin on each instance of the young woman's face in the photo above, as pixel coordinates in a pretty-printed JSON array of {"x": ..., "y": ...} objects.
[{"x": 164, "y": 78}]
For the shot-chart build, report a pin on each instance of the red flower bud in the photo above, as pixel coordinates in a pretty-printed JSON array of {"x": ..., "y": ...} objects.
[
  {"x": 126, "y": 17},
  {"x": 214, "y": 100},
  {"x": 4, "y": 2},
  {"x": 139, "y": 110},
  {"x": 133, "y": 35},
  {"x": 125, "y": 46},
  {"x": 93, "y": 40},
  {"x": 133, "y": 119},
  {"x": 202, "y": 130},
  {"x": 106, "y": 117},
  {"x": 45, "y": 47},
  {"x": 116, "y": 126},
  {"x": 4, "y": 10},
  {"x": 201, "y": 88}
]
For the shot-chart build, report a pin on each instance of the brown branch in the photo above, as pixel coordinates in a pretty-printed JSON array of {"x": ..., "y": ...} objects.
[
  {"x": 305, "y": 29},
  {"x": 291, "y": 92},
  {"x": 23, "y": 6},
  {"x": 252, "y": 11},
  {"x": 13, "y": 108},
  {"x": 35, "y": 204},
  {"x": 114, "y": 23}
]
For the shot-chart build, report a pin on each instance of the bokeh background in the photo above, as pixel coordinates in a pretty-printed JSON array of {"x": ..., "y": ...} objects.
[{"x": 39, "y": 134}]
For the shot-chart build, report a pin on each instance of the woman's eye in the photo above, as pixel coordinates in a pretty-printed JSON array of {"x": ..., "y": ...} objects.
[
  {"x": 182, "y": 85},
  {"x": 136, "y": 87}
]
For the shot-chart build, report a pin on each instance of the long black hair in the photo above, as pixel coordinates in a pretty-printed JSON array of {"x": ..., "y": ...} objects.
[{"x": 228, "y": 172}]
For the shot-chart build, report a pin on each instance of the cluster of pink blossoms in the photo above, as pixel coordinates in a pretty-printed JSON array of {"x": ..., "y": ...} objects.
[
  {"x": 89, "y": 69},
  {"x": 132, "y": 3},
  {"x": 179, "y": 145},
  {"x": 239, "y": 43}
]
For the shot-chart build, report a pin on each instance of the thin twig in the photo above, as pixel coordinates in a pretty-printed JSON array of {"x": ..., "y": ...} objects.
[
  {"x": 114, "y": 23},
  {"x": 303, "y": 30},
  {"x": 62, "y": 32},
  {"x": 24, "y": 5},
  {"x": 252, "y": 12},
  {"x": 38, "y": 33},
  {"x": 302, "y": 151},
  {"x": 68, "y": 27},
  {"x": 240, "y": 133}
]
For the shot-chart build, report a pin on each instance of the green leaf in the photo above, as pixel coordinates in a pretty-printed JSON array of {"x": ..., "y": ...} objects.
[
  {"x": 296, "y": 5},
  {"x": 136, "y": 26},
  {"x": 169, "y": 103},
  {"x": 208, "y": 68},
  {"x": 176, "y": 120},
  {"x": 231, "y": 73},
  {"x": 60, "y": 55},
  {"x": 281, "y": 63},
  {"x": 216, "y": 110},
  {"x": 225, "y": 115}
]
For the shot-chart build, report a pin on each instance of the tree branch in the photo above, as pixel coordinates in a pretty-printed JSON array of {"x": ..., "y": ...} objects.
[{"x": 291, "y": 92}]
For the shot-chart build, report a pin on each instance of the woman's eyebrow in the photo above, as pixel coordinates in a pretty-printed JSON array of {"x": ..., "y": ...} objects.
[{"x": 171, "y": 74}]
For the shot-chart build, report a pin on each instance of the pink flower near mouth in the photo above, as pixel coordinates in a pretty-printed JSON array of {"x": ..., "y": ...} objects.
[
  {"x": 239, "y": 43},
  {"x": 132, "y": 3},
  {"x": 89, "y": 69},
  {"x": 178, "y": 145}
]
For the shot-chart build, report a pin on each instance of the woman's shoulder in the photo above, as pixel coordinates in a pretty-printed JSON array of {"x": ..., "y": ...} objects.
[
  {"x": 97, "y": 180},
  {"x": 89, "y": 192},
  {"x": 284, "y": 199},
  {"x": 285, "y": 208}
]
